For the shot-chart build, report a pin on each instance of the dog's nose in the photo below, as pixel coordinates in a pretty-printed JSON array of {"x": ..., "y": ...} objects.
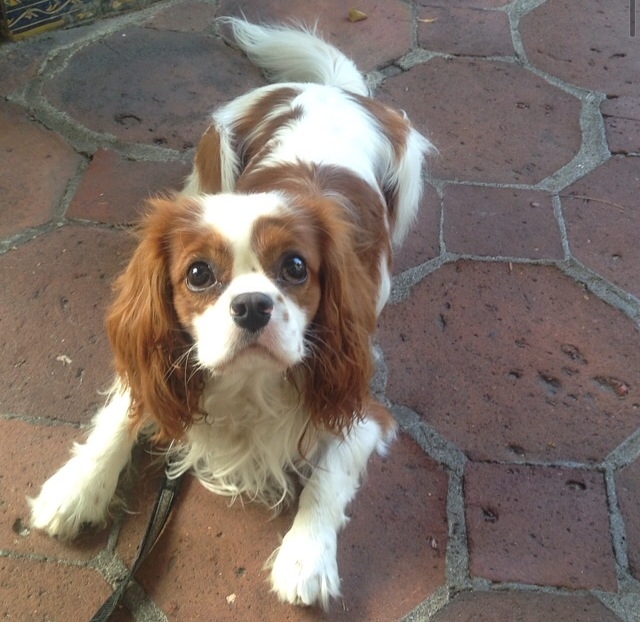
[{"x": 251, "y": 311}]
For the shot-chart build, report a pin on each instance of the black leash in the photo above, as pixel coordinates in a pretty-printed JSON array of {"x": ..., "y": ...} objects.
[{"x": 157, "y": 521}]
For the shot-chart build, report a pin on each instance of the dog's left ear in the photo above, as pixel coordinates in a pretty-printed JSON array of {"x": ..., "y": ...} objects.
[{"x": 340, "y": 365}]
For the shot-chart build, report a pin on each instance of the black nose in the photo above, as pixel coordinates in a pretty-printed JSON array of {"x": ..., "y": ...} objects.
[{"x": 251, "y": 311}]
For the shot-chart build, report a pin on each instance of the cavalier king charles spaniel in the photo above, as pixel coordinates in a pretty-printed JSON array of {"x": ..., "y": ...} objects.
[{"x": 242, "y": 327}]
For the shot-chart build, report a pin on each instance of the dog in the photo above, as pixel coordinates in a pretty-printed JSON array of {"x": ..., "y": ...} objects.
[{"x": 242, "y": 327}]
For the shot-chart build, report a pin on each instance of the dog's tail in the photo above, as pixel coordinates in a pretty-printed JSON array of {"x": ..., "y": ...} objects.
[{"x": 295, "y": 55}]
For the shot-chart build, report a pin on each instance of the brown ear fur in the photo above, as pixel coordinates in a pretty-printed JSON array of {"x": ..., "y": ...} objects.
[
  {"x": 340, "y": 366},
  {"x": 148, "y": 342}
]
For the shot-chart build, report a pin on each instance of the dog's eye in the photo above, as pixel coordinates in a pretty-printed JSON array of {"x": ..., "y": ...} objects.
[
  {"x": 293, "y": 270},
  {"x": 200, "y": 276}
]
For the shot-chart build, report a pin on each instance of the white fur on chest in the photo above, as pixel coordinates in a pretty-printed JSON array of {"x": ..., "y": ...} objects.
[{"x": 250, "y": 441}]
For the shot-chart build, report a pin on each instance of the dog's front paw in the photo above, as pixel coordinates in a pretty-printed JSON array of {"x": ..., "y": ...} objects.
[
  {"x": 305, "y": 571},
  {"x": 74, "y": 496}
]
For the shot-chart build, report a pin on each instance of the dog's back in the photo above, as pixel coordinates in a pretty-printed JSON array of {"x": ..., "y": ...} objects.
[{"x": 318, "y": 113}]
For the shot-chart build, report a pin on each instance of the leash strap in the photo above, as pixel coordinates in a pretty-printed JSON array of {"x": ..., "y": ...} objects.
[{"x": 157, "y": 521}]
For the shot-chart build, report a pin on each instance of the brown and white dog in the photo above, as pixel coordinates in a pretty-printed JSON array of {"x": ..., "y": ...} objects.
[{"x": 242, "y": 326}]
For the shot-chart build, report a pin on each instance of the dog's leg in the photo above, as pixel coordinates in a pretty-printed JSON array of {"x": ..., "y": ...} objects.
[
  {"x": 80, "y": 492},
  {"x": 305, "y": 570}
]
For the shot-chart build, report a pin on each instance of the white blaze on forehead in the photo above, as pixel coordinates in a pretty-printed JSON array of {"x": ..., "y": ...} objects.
[{"x": 233, "y": 216}]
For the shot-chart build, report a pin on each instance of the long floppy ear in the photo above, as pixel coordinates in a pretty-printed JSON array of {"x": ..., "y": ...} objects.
[
  {"x": 340, "y": 364},
  {"x": 149, "y": 345}
]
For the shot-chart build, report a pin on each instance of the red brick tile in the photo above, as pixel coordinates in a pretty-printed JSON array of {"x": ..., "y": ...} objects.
[
  {"x": 469, "y": 4},
  {"x": 628, "y": 491},
  {"x": 500, "y": 222},
  {"x": 524, "y": 607},
  {"x": 603, "y": 224},
  {"x": 151, "y": 86},
  {"x": 587, "y": 44},
  {"x": 491, "y": 121},
  {"x": 32, "y": 590},
  {"x": 186, "y": 16},
  {"x": 22, "y": 60},
  {"x": 385, "y": 35},
  {"x": 55, "y": 293},
  {"x": 36, "y": 167},
  {"x": 31, "y": 454},
  {"x": 100, "y": 198},
  {"x": 19, "y": 68},
  {"x": 423, "y": 241},
  {"x": 464, "y": 31},
  {"x": 478, "y": 349},
  {"x": 210, "y": 550},
  {"x": 539, "y": 525},
  {"x": 622, "y": 123}
]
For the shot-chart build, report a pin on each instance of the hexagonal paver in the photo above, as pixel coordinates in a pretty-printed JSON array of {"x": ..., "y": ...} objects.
[
  {"x": 628, "y": 491},
  {"x": 469, "y": 4},
  {"x": 37, "y": 165},
  {"x": 31, "y": 590},
  {"x": 211, "y": 556},
  {"x": 491, "y": 121},
  {"x": 590, "y": 47},
  {"x": 469, "y": 31},
  {"x": 20, "y": 63},
  {"x": 622, "y": 123},
  {"x": 510, "y": 362},
  {"x": 187, "y": 16},
  {"x": 500, "y": 222},
  {"x": 384, "y": 36},
  {"x": 24, "y": 470},
  {"x": 151, "y": 86},
  {"x": 539, "y": 525},
  {"x": 99, "y": 199},
  {"x": 423, "y": 241},
  {"x": 55, "y": 293},
  {"x": 524, "y": 607},
  {"x": 603, "y": 221}
]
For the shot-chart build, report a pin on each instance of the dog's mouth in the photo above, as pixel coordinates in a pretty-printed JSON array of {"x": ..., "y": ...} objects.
[
  {"x": 257, "y": 349},
  {"x": 248, "y": 354}
]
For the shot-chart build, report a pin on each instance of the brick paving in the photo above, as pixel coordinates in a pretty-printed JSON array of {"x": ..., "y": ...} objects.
[{"x": 510, "y": 352}]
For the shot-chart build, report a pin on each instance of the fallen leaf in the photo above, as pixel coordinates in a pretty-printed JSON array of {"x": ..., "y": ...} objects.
[
  {"x": 428, "y": 20},
  {"x": 355, "y": 15}
]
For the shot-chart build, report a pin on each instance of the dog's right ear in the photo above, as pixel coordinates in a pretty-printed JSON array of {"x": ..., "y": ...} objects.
[{"x": 147, "y": 340}]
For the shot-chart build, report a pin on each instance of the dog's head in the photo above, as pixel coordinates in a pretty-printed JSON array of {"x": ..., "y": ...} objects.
[{"x": 233, "y": 283}]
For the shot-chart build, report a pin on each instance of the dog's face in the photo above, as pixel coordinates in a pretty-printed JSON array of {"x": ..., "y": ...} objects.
[
  {"x": 245, "y": 276},
  {"x": 236, "y": 283}
]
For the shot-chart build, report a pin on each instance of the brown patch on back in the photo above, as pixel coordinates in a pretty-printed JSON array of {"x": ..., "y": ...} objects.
[
  {"x": 394, "y": 125},
  {"x": 253, "y": 130},
  {"x": 395, "y": 128},
  {"x": 207, "y": 162}
]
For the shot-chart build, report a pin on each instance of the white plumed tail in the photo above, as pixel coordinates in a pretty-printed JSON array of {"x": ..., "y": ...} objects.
[{"x": 290, "y": 55}]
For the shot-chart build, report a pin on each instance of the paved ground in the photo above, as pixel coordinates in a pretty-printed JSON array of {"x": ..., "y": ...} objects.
[{"x": 510, "y": 354}]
